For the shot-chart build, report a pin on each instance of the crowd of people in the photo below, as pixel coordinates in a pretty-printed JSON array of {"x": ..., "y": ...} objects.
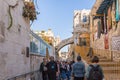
[
  {"x": 56, "y": 70},
  {"x": 64, "y": 70}
]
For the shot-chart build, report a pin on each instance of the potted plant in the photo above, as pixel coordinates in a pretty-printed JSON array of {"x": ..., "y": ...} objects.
[{"x": 29, "y": 11}]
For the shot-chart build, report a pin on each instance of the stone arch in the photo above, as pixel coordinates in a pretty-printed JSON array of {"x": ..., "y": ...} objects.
[{"x": 64, "y": 43}]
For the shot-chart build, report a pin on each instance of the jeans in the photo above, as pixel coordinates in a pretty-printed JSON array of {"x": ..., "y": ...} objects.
[
  {"x": 68, "y": 75},
  {"x": 63, "y": 75}
]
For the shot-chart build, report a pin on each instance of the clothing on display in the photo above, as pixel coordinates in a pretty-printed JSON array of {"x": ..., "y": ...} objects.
[
  {"x": 106, "y": 41},
  {"x": 117, "y": 10}
]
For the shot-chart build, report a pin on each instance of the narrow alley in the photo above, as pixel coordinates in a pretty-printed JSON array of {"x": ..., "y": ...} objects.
[{"x": 50, "y": 40}]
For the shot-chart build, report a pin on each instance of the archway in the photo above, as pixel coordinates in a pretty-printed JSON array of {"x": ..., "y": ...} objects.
[{"x": 64, "y": 43}]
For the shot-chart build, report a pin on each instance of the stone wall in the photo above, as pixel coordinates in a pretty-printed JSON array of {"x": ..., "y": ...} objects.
[
  {"x": 103, "y": 53},
  {"x": 35, "y": 61},
  {"x": 116, "y": 43},
  {"x": 34, "y": 73},
  {"x": 13, "y": 42}
]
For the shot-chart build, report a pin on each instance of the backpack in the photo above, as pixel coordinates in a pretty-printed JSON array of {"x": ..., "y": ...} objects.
[{"x": 95, "y": 73}]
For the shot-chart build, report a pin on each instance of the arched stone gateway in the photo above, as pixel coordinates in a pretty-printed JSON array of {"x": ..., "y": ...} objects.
[{"x": 64, "y": 43}]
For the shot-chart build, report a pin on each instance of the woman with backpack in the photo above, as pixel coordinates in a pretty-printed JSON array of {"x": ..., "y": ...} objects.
[{"x": 94, "y": 70}]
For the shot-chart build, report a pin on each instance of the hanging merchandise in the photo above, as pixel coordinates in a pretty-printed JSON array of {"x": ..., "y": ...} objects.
[
  {"x": 109, "y": 19},
  {"x": 105, "y": 26},
  {"x": 113, "y": 16},
  {"x": 102, "y": 25},
  {"x": 106, "y": 41},
  {"x": 99, "y": 29},
  {"x": 117, "y": 10}
]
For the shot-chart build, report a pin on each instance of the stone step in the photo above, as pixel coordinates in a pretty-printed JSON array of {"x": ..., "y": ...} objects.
[
  {"x": 108, "y": 64},
  {"x": 112, "y": 76},
  {"x": 104, "y": 60},
  {"x": 100, "y": 59},
  {"x": 111, "y": 69}
]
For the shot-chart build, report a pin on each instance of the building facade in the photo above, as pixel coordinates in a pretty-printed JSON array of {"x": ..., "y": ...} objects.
[
  {"x": 63, "y": 56},
  {"x": 14, "y": 39},
  {"x": 105, "y": 30},
  {"x": 81, "y": 31},
  {"x": 15, "y": 57},
  {"x": 39, "y": 46},
  {"x": 49, "y": 37}
]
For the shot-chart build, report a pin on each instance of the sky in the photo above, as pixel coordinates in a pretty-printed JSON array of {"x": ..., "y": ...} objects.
[{"x": 58, "y": 15}]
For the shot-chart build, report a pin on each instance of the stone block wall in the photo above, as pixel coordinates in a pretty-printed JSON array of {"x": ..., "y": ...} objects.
[
  {"x": 116, "y": 43},
  {"x": 13, "y": 42},
  {"x": 102, "y": 53},
  {"x": 35, "y": 61},
  {"x": 116, "y": 48},
  {"x": 99, "y": 43}
]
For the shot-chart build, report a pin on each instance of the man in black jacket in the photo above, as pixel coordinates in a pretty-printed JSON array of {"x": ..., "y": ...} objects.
[{"x": 52, "y": 69}]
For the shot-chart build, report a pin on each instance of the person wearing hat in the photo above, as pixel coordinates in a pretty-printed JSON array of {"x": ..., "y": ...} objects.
[{"x": 78, "y": 69}]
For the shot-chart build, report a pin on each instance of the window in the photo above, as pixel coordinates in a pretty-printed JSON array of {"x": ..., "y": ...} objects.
[
  {"x": 34, "y": 45},
  {"x": 83, "y": 42},
  {"x": 84, "y": 18}
]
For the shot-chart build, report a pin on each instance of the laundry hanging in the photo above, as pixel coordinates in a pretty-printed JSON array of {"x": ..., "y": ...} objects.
[
  {"x": 105, "y": 22},
  {"x": 109, "y": 19},
  {"x": 106, "y": 42},
  {"x": 117, "y": 10},
  {"x": 99, "y": 29},
  {"x": 102, "y": 25}
]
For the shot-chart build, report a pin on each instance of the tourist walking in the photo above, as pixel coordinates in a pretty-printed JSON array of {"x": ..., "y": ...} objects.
[
  {"x": 43, "y": 69},
  {"x": 52, "y": 69},
  {"x": 94, "y": 70},
  {"x": 63, "y": 70},
  {"x": 78, "y": 69},
  {"x": 68, "y": 71},
  {"x": 71, "y": 64},
  {"x": 58, "y": 73}
]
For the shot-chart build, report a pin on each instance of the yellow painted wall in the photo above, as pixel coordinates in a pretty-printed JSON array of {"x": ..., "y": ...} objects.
[{"x": 82, "y": 51}]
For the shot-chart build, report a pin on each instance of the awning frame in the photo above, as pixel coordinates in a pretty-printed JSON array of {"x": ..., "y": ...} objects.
[{"x": 103, "y": 6}]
